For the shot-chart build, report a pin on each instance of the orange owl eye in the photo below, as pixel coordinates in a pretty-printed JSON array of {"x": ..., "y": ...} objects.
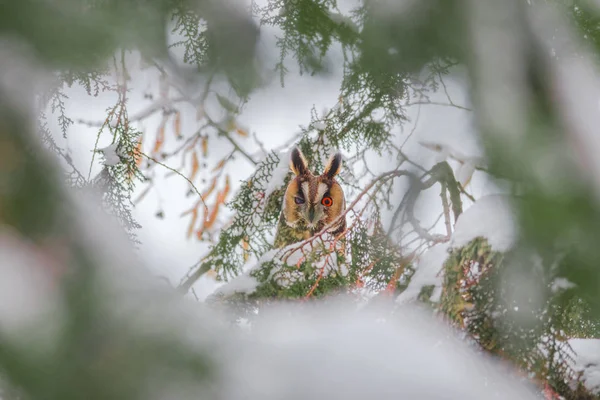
[{"x": 327, "y": 201}]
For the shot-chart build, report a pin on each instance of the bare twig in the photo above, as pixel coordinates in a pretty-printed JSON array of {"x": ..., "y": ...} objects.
[
  {"x": 436, "y": 103},
  {"x": 181, "y": 175},
  {"x": 237, "y": 147},
  {"x": 446, "y": 208},
  {"x": 414, "y": 128}
]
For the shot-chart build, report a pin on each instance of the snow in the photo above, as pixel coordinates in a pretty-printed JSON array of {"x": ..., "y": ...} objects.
[
  {"x": 559, "y": 284},
  {"x": 286, "y": 259},
  {"x": 241, "y": 284},
  {"x": 279, "y": 173},
  {"x": 427, "y": 269},
  {"x": 339, "y": 106},
  {"x": 490, "y": 217},
  {"x": 442, "y": 155},
  {"x": 320, "y": 125},
  {"x": 286, "y": 278},
  {"x": 333, "y": 351},
  {"x": 587, "y": 360},
  {"x": 293, "y": 351},
  {"x": 267, "y": 257},
  {"x": 293, "y": 256},
  {"x": 343, "y": 20},
  {"x": 111, "y": 156},
  {"x": 445, "y": 151},
  {"x": 245, "y": 283},
  {"x": 31, "y": 309},
  {"x": 465, "y": 172}
]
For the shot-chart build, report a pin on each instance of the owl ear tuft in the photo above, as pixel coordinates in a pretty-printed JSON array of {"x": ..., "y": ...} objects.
[
  {"x": 298, "y": 163},
  {"x": 334, "y": 166}
]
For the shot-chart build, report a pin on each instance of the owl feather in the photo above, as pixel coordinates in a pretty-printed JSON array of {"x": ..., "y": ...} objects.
[{"x": 311, "y": 201}]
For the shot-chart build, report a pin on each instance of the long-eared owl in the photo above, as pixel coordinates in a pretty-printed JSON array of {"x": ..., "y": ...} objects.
[{"x": 311, "y": 201}]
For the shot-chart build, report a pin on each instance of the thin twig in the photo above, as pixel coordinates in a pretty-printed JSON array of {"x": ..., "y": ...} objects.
[
  {"x": 237, "y": 146},
  {"x": 95, "y": 150},
  {"x": 445, "y": 89},
  {"x": 181, "y": 175},
  {"x": 414, "y": 128},
  {"x": 436, "y": 103},
  {"x": 446, "y": 208}
]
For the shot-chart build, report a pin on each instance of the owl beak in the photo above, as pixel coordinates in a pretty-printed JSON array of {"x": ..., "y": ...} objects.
[{"x": 311, "y": 214}]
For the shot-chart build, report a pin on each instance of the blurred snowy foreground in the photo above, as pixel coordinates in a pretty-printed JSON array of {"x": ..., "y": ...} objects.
[{"x": 120, "y": 325}]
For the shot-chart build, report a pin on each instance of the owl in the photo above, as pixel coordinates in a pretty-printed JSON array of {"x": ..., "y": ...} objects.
[{"x": 310, "y": 201}]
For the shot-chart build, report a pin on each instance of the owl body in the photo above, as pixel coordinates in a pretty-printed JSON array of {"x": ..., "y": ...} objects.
[{"x": 311, "y": 201}]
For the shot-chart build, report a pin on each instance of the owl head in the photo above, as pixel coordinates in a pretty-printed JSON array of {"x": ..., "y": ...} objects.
[{"x": 313, "y": 201}]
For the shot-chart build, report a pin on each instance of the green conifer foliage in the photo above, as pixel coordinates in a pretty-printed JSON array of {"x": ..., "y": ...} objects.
[{"x": 393, "y": 58}]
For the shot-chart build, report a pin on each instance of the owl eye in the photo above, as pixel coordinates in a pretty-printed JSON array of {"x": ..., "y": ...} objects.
[
  {"x": 327, "y": 201},
  {"x": 299, "y": 200}
]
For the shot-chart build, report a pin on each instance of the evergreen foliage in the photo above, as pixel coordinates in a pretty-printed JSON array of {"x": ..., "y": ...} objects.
[{"x": 392, "y": 60}]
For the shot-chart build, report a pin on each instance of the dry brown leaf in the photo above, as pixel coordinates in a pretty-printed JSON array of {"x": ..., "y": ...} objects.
[
  {"x": 212, "y": 187},
  {"x": 212, "y": 217},
  {"x": 190, "y": 230},
  {"x": 137, "y": 154},
  {"x": 245, "y": 246},
  {"x": 221, "y": 197},
  {"x": 231, "y": 125},
  {"x": 195, "y": 166},
  {"x": 223, "y": 193},
  {"x": 191, "y": 146},
  {"x": 227, "y": 187},
  {"x": 205, "y": 146},
  {"x": 191, "y": 210},
  {"x": 177, "y": 124},
  {"x": 210, "y": 220},
  {"x": 220, "y": 165},
  {"x": 160, "y": 136},
  {"x": 211, "y": 273}
]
